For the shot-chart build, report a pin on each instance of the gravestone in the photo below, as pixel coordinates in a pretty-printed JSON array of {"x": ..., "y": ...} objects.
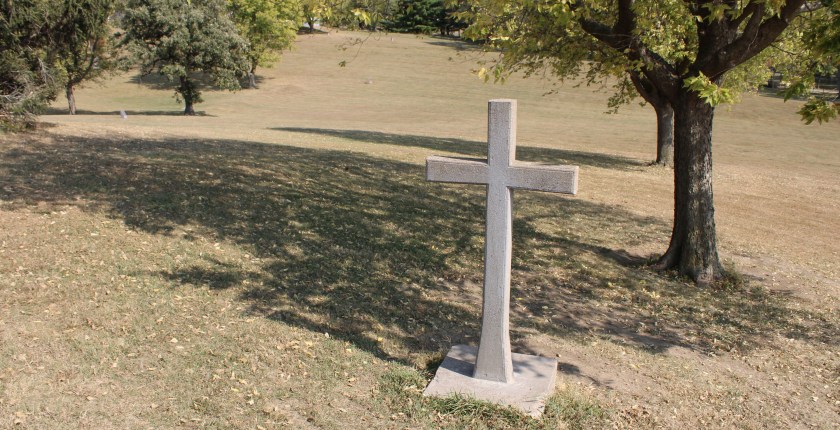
[{"x": 492, "y": 372}]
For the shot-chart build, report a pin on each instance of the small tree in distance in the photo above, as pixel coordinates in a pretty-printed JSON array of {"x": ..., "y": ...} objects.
[
  {"x": 88, "y": 45},
  {"x": 183, "y": 40},
  {"x": 424, "y": 17},
  {"x": 268, "y": 27}
]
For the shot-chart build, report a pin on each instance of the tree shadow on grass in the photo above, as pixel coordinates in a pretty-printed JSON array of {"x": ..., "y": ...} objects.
[
  {"x": 364, "y": 248},
  {"x": 477, "y": 149},
  {"x": 158, "y": 81},
  {"x": 129, "y": 112},
  {"x": 457, "y": 43}
]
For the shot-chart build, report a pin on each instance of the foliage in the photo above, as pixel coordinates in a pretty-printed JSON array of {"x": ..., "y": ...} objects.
[
  {"x": 268, "y": 27},
  {"x": 708, "y": 91},
  {"x": 353, "y": 14},
  {"x": 425, "y": 17},
  {"x": 49, "y": 44},
  {"x": 27, "y": 61},
  {"x": 89, "y": 46},
  {"x": 546, "y": 39},
  {"x": 820, "y": 110},
  {"x": 824, "y": 39},
  {"x": 312, "y": 11},
  {"x": 180, "y": 39}
]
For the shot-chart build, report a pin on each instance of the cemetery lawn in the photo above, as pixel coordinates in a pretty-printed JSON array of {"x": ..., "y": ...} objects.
[{"x": 280, "y": 262}]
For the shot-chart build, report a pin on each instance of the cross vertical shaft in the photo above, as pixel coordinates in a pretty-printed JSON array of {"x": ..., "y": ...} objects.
[{"x": 494, "y": 356}]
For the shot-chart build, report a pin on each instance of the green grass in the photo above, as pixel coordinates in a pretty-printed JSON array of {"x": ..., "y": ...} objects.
[{"x": 402, "y": 390}]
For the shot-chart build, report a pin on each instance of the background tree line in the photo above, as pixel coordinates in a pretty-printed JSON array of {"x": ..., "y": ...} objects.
[{"x": 54, "y": 45}]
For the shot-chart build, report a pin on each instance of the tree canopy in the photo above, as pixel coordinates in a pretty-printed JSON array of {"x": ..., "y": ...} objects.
[
  {"x": 186, "y": 41},
  {"x": 26, "y": 61}
]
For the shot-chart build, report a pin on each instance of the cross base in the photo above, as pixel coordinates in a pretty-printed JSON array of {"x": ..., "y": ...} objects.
[{"x": 533, "y": 381}]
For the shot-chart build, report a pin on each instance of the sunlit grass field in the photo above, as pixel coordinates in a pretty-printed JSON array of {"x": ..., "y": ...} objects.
[{"x": 279, "y": 261}]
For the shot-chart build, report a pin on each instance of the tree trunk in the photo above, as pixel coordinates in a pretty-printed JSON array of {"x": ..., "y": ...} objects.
[
  {"x": 71, "y": 97},
  {"x": 837, "y": 82},
  {"x": 664, "y": 134},
  {"x": 664, "y": 118},
  {"x": 187, "y": 93},
  {"x": 311, "y": 23},
  {"x": 693, "y": 247},
  {"x": 252, "y": 78},
  {"x": 188, "y": 107}
]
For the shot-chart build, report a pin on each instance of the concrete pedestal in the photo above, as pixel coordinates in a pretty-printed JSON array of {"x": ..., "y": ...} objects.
[{"x": 533, "y": 381}]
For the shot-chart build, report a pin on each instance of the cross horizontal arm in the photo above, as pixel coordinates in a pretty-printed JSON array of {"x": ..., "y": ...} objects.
[
  {"x": 457, "y": 170},
  {"x": 553, "y": 179}
]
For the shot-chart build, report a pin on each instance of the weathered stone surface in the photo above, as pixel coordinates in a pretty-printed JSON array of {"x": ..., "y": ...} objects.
[
  {"x": 533, "y": 381},
  {"x": 493, "y": 372}
]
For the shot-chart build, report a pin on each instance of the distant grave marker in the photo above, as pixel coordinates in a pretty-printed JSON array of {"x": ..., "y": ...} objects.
[{"x": 492, "y": 372}]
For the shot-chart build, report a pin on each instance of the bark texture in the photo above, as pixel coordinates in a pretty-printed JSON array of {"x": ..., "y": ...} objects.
[
  {"x": 664, "y": 134},
  {"x": 693, "y": 248},
  {"x": 187, "y": 92},
  {"x": 252, "y": 78},
  {"x": 71, "y": 98},
  {"x": 664, "y": 118}
]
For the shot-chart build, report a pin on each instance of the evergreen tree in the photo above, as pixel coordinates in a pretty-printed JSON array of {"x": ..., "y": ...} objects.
[
  {"x": 183, "y": 39},
  {"x": 87, "y": 41},
  {"x": 424, "y": 17},
  {"x": 27, "y": 61}
]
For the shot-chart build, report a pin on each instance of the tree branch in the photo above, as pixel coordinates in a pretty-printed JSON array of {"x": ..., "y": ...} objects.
[
  {"x": 620, "y": 37},
  {"x": 626, "y": 23},
  {"x": 605, "y": 34},
  {"x": 645, "y": 88},
  {"x": 749, "y": 12},
  {"x": 756, "y": 36}
]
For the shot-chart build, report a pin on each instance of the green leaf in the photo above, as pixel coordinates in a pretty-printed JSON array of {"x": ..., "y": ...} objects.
[
  {"x": 708, "y": 91},
  {"x": 797, "y": 89},
  {"x": 820, "y": 110}
]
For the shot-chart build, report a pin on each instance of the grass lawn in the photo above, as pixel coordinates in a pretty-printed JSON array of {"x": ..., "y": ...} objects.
[{"x": 280, "y": 262}]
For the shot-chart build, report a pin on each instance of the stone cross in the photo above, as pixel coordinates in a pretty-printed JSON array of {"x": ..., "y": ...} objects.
[{"x": 501, "y": 173}]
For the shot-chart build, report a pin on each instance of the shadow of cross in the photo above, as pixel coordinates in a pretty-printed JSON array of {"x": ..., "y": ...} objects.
[{"x": 501, "y": 173}]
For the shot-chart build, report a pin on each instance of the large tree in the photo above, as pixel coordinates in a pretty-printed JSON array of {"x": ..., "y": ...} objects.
[
  {"x": 268, "y": 27},
  {"x": 684, "y": 50},
  {"x": 186, "y": 41},
  {"x": 88, "y": 43}
]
